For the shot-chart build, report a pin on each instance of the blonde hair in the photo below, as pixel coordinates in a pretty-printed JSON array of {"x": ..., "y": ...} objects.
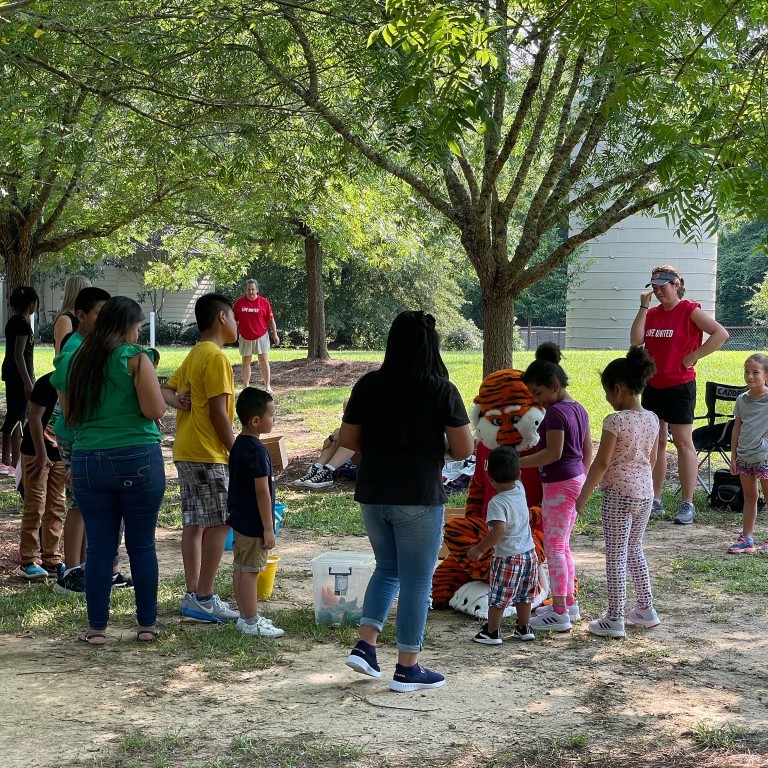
[
  {"x": 673, "y": 270},
  {"x": 73, "y": 286}
]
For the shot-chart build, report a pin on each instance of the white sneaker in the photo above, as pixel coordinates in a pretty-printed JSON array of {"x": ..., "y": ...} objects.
[
  {"x": 605, "y": 627},
  {"x": 554, "y": 622},
  {"x": 643, "y": 617},
  {"x": 261, "y": 628},
  {"x": 573, "y": 611}
]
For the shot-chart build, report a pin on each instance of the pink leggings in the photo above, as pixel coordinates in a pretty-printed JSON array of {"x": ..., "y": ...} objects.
[{"x": 558, "y": 514}]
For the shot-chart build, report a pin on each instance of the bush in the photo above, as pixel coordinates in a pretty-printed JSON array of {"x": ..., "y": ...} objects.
[
  {"x": 45, "y": 333},
  {"x": 190, "y": 335},
  {"x": 296, "y": 337},
  {"x": 165, "y": 334},
  {"x": 464, "y": 336}
]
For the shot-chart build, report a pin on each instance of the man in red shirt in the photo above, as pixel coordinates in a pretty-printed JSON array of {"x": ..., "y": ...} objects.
[{"x": 254, "y": 322}]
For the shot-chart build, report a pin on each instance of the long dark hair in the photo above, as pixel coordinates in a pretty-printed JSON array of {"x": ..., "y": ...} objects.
[
  {"x": 21, "y": 298},
  {"x": 413, "y": 349},
  {"x": 88, "y": 373}
]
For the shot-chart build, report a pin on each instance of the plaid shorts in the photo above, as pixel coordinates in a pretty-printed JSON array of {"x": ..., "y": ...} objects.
[
  {"x": 203, "y": 493},
  {"x": 514, "y": 579}
]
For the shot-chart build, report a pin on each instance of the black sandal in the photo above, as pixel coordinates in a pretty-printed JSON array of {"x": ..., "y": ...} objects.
[
  {"x": 152, "y": 632},
  {"x": 87, "y": 636}
]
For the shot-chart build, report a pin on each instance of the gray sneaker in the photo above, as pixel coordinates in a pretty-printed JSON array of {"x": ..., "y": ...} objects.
[
  {"x": 685, "y": 514},
  {"x": 213, "y": 610},
  {"x": 657, "y": 508}
]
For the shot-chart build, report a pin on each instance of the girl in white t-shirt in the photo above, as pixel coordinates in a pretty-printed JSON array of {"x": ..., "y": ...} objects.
[{"x": 623, "y": 467}]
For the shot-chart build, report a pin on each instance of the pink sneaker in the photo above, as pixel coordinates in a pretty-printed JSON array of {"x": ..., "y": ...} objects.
[{"x": 5, "y": 469}]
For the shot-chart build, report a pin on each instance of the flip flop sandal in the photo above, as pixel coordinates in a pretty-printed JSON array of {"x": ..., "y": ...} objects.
[
  {"x": 153, "y": 633},
  {"x": 87, "y": 637}
]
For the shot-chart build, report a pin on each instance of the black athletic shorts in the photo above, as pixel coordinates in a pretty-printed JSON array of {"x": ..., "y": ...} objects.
[{"x": 675, "y": 405}]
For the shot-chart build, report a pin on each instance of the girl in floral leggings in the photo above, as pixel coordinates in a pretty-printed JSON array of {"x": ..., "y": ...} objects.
[
  {"x": 565, "y": 451},
  {"x": 623, "y": 467}
]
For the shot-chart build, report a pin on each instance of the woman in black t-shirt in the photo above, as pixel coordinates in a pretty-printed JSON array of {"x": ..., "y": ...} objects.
[
  {"x": 18, "y": 372},
  {"x": 402, "y": 419}
]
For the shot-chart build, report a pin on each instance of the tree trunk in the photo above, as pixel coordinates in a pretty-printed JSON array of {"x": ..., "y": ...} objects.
[
  {"x": 18, "y": 268},
  {"x": 313, "y": 255},
  {"x": 498, "y": 329}
]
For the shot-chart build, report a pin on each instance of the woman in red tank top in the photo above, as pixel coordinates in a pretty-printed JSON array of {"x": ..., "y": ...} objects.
[{"x": 673, "y": 334}]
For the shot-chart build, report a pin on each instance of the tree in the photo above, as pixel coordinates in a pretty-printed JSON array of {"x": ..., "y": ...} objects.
[
  {"x": 513, "y": 119},
  {"x": 741, "y": 269}
]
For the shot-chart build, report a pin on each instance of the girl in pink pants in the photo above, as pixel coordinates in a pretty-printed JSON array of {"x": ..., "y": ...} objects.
[{"x": 565, "y": 451}]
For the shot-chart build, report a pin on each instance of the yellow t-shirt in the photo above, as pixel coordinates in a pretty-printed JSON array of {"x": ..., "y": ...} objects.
[{"x": 206, "y": 373}]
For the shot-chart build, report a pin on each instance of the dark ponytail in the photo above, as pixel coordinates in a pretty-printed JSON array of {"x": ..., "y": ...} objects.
[
  {"x": 21, "y": 298},
  {"x": 633, "y": 371},
  {"x": 546, "y": 367}
]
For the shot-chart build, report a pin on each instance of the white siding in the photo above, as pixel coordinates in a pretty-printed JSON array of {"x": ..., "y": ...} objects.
[
  {"x": 603, "y": 307},
  {"x": 178, "y": 307}
]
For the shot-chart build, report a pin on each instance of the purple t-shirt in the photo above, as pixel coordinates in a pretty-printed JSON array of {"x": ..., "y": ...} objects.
[{"x": 571, "y": 419}]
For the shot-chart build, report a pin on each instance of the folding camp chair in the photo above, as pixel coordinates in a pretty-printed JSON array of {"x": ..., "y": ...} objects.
[{"x": 715, "y": 436}]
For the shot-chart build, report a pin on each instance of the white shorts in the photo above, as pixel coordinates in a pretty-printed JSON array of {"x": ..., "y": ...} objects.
[{"x": 251, "y": 347}]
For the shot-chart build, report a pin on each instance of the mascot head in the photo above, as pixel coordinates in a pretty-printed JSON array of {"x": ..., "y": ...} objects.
[{"x": 504, "y": 411}]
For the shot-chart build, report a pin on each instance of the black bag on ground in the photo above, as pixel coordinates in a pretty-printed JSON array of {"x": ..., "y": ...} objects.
[{"x": 726, "y": 491}]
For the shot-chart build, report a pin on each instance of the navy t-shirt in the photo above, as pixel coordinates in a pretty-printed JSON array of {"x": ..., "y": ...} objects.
[
  {"x": 248, "y": 460},
  {"x": 403, "y": 438},
  {"x": 44, "y": 395}
]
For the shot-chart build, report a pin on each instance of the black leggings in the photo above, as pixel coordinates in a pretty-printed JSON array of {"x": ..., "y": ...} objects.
[{"x": 16, "y": 406}]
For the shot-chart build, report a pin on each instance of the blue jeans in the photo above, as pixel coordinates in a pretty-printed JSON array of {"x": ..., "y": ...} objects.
[
  {"x": 405, "y": 541},
  {"x": 120, "y": 484}
]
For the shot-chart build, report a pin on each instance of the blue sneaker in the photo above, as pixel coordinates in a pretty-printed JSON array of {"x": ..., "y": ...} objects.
[
  {"x": 415, "y": 678},
  {"x": 31, "y": 572},
  {"x": 213, "y": 610},
  {"x": 363, "y": 660}
]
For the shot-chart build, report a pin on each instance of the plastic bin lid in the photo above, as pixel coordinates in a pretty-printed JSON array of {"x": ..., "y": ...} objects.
[{"x": 345, "y": 558}]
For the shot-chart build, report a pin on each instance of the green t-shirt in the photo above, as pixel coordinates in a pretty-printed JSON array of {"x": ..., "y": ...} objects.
[
  {"x": 117, "y": 421},
  {"x": 61, "y": 362}
]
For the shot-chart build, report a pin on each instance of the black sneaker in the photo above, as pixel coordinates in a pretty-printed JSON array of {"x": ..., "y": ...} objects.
[
  {"x": 323, "y": 478},
  {"x": 73, "y": 583},
  {"x": 522, "y": 633},
  {"x": 415, "y": 678},
  {"x": 121, "y": 582},
  {"x": 302, "y": 481},
  {"x": 486, "y": 637},
  {"x": 363, "y": 660}
]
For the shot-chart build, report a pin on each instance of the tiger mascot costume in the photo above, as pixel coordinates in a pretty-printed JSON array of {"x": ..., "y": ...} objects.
[{"x": 504, "y": 413}]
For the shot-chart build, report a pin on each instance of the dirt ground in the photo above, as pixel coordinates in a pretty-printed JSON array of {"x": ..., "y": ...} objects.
[{"x": 706, "y": 666}]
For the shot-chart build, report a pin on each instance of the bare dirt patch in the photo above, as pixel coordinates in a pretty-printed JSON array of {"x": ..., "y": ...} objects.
[{"x": 635, "y": 702}]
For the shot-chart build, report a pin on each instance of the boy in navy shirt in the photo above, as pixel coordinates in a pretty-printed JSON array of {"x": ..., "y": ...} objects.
[{"x": 251, "y": 505}]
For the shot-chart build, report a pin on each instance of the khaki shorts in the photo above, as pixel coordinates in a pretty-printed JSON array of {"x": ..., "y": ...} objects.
[
  {"x": 248, "y": 554},
  {"x": 251, "y": 347}
]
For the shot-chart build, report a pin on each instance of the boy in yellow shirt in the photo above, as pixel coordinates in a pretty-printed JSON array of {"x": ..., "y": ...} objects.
[{"x": 202, "y": 390}]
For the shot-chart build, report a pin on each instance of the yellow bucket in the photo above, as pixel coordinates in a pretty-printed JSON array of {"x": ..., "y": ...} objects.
[{"x": 265, "y": 582}]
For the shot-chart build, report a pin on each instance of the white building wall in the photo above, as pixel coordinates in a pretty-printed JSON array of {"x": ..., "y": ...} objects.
[
  {"x": 602, "y": 308},
  {"x": 178, "y": 306}
]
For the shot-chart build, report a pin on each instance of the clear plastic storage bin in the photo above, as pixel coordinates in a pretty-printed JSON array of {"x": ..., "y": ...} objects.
[{"x": 340, "y": 580}]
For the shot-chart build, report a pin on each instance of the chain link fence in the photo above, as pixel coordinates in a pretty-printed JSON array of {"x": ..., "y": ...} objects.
[{"x": 748, "y": 338}]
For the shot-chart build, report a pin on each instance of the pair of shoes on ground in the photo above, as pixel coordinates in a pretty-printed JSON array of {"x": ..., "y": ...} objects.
[
  {"x": 686, "y": 514},
  {"x": 548, "y": 620},
  {"x": 639, "y": 617},
  {"x": 318, "y": 476},
  {"x": 745, "y": 545},
  {"x": 486, "y": 637},
  {"x": 213, "y": 610},
  {"x": 261, "y": 627},
  {"x": 35, "y": 572},
  {"x": 362, "y": 658}
]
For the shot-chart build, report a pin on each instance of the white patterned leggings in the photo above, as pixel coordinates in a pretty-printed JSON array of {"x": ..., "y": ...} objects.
[{"x": 624, "y": 522}]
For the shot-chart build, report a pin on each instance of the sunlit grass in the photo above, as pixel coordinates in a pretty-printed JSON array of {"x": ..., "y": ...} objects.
[{"x": 324, "y": 513}]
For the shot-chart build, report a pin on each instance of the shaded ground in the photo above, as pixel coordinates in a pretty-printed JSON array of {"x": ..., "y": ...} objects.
[{"x": 649, "y": 700}]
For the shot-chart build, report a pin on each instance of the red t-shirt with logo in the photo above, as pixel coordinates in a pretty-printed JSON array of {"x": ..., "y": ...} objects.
[
  {"x": 252, "y": 317},
  {"x": 670, "y": 335}
]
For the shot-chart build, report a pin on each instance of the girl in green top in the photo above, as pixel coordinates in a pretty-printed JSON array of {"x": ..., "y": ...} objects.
[{"x": 112, "y": 398}]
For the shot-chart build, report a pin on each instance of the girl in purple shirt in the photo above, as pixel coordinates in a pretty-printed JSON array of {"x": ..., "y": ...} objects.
[{"x": 565, "y": 452}]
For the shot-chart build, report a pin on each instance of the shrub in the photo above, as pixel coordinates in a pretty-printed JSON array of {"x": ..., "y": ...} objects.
[
  {"x": 190, "y": 335},
  {"x": 165, "y": 334},
  {"x": 464, "y": 336},
  {"x": 296, "y": 337},
  {"x": 45, "y": 333}
]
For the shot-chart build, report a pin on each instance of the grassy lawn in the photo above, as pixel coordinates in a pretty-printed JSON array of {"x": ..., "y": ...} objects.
[{"x": 582, "y": 366}]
